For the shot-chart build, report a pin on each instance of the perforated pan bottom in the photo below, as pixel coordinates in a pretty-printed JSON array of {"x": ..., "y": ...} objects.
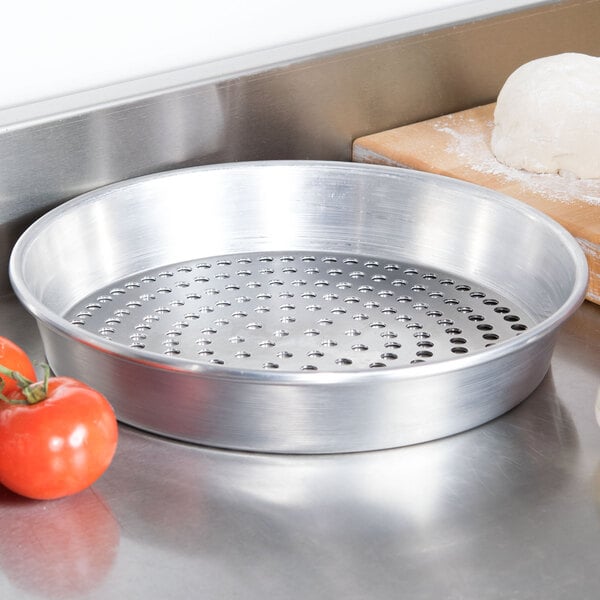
[{"x": 300, "y": 312}]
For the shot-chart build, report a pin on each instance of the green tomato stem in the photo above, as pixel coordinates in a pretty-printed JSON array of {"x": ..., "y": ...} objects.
[{"x": 33, "y": 392}]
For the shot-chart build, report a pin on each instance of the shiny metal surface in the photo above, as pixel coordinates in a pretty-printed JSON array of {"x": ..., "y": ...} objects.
[
  {"x": 307, "y": 101},
  {"x": 507, "y": 510},
  {"x": 107, "y": 240}
]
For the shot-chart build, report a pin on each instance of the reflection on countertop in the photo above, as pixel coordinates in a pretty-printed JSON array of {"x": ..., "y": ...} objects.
[{"x": 59, "y": 549}]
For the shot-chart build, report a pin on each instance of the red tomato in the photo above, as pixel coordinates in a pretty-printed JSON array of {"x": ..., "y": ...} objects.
[
  {"x": 14, "y": 358},
  {"x": 57, "y": 446}
]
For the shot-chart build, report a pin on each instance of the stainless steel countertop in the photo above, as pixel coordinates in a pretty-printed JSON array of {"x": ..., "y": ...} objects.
[{"x": 510, "y": 509}]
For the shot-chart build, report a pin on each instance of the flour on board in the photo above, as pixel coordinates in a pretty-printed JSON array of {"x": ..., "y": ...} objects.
[{"x": 474, "y": 149}]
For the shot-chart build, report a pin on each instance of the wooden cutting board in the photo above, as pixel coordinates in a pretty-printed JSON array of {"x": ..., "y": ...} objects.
[{"x": 458, "y": 145}]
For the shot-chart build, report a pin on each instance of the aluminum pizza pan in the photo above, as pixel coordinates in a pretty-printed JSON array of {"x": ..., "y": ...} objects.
[{"x": 300, "y": 306}]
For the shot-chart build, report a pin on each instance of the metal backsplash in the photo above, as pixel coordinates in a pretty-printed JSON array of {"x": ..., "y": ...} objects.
[{"x": 309, "y": 108}]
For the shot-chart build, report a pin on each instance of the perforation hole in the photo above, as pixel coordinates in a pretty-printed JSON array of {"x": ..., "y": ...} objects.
[{"x": 459, "y": 349}]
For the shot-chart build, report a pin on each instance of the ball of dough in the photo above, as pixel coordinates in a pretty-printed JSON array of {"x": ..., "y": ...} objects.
[{"x": 547, "y": 118}]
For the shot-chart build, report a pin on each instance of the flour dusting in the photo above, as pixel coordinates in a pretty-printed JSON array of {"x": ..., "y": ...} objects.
[{"x": 474, "y": 149}]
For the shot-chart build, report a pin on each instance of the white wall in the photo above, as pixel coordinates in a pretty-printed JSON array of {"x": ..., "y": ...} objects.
[{"x": 51, "y": 49}]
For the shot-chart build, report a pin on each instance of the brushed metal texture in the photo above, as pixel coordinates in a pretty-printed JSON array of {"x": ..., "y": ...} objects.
[{"x": 435, "y": 222}]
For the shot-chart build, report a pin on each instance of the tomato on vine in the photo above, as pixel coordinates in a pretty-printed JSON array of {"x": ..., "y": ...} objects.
[{"x": 57, "y": 436}]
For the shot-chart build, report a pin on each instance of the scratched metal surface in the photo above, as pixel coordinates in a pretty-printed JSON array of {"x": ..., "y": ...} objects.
[{"x": 510, "y": 509}]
